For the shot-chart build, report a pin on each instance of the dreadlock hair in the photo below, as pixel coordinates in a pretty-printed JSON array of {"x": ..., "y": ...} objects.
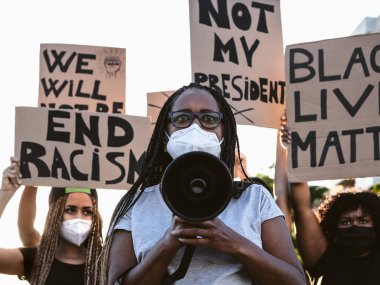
[
  {"x": 335, "y": 205},
  {"x": 50, "y": 239},
  {"x": 157, "y": 159}
]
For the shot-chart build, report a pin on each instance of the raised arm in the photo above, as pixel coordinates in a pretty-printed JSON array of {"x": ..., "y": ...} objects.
[
  {"x": 10, "y": 183},
  {"x": 26, "y": 216},
  {"x": 312, "y": 242},
  {"x": 281, "y": 185},
  {"x": 11, "y": 260}
]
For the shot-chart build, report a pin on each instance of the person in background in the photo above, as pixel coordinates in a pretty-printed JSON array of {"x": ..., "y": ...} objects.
[
  {"x": 340, "y": 243},
  {"x": 70, "y": 244},
  {"x": 248, "y": 243}
]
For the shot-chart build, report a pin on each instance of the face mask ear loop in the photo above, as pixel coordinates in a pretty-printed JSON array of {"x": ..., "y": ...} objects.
[{"x": 166, "y": 143}]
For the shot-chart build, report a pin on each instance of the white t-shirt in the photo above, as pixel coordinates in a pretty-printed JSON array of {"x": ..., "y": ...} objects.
[{"x": 150, "y": 218}]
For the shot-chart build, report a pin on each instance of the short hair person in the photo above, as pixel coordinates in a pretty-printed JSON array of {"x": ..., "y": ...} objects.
[{"x": 247, "y": 243}]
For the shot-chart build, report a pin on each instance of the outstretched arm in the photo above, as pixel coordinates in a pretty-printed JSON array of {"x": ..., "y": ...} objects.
[
  {"x": 312, "y": 242},
  {"x": 281, "y": 184},
  {"x": 10, "y": 183},
  {"x": 11, "y": 260},
  {"x": 26, "y": 216}
]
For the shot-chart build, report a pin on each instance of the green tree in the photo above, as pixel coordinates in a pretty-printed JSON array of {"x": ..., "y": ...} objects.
[
  {"x": 268, "y": 180},
  {"x": 347, "y": 183},
  {"x": 376, "y": 188},
  {"x": 317, "y": 194}
]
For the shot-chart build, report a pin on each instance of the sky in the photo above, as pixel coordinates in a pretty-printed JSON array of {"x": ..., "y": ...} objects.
[{"x": 156, "y": 35}]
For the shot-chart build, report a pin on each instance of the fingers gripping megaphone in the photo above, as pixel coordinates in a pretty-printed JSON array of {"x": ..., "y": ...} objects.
[{"x": 196, "y": 186}]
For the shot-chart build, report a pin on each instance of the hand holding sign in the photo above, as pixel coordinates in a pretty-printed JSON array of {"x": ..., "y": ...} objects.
[{"x": 333, "y": 108}]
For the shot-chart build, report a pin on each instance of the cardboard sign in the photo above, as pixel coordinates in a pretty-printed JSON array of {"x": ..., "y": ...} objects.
[
  {"x": 155, "y": 102},
  {"x": 333, "y": 108},
  {"x": 236, "y": 47},
  {"x": 80, "y": 77},
  {"x": 67, "y": 148}
]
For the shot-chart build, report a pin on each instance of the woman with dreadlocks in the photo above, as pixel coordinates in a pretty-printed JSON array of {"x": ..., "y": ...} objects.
[
  {"x": 248, "y": 243},
  {"x": 340, "y": 243},
  {"x": 70, "y": 244}
]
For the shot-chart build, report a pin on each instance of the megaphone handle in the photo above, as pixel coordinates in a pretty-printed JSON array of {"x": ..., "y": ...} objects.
[{"x": 182, "y": 268}]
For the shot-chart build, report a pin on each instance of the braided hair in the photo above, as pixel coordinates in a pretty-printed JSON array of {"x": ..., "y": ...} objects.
[
  {"x": 157, "y": 159},
  {"x": 50, "y": 239}
]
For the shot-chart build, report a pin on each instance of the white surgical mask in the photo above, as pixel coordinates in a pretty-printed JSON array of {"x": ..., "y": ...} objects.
[
  {"x": 76, "y": 231},
  {"x": 193, "y": 138}
]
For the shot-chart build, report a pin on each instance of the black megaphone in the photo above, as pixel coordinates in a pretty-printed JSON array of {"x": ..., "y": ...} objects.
[{"x": 196, "y": 186}]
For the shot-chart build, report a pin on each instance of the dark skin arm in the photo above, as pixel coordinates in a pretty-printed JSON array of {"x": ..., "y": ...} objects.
[
  {"x": 276, "y": 264},
  {"x": 152, "y": 270},
  {"x": 281, "y": 184},
  {"x": 312, "y": 242}
]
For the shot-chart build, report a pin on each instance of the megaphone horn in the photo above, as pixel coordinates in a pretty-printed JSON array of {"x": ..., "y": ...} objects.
[{"x": 196, "y": 186}]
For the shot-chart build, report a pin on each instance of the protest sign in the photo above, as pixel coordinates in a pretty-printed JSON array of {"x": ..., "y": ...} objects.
[
  {"x": 155, "y": 102},
  {"x": 68, "y": 148},
  {"x": 88, "y": 78},
  {"x": 237, "y": 48},
  {"x": 333, "y": 108}
]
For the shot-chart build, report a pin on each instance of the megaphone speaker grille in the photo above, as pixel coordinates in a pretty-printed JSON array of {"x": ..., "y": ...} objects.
[{"x": 196, "y": 186}]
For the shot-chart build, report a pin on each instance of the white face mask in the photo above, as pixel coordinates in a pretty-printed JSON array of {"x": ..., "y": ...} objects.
[
  {"x": 76, "y": 231},
  {"x": 193, "y": 138}
]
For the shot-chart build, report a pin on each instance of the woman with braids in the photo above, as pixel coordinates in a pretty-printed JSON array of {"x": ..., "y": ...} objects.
[
  {"x": 341, "y": 244},
  {"x": 248, "y": 243},
  {"x": 70, "y": 244}
]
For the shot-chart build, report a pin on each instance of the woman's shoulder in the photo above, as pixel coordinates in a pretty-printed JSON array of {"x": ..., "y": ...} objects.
[
  {"x": 149, "y": 194},
  {"x": 252, "y": 188}
]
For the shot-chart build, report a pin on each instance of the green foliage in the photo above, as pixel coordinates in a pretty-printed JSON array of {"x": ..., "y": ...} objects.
[
  {"x": 347, "y": 183},
  {"x": 268, "y": 180},
  {"x": 317, "y": 194},
  {"x": 376, "y": 188}
]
